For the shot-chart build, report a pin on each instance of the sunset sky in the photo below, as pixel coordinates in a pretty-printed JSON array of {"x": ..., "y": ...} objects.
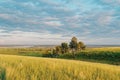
[{"x": 28, "y": 22}]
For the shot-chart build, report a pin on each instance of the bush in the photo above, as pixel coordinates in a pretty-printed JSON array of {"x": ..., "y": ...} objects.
[{"x": 101, "y": 55}]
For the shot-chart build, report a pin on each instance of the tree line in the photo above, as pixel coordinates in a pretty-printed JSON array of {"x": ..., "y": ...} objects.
[{"x": 73, "y": 47}]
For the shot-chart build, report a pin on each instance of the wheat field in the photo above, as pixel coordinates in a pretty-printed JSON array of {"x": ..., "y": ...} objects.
[{"x": 32, "y": 68}]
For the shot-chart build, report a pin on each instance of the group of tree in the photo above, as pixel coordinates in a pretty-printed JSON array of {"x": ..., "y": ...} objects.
[{"x": 73, "y": 47}]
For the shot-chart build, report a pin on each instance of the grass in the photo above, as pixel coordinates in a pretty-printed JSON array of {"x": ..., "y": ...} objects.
[
  {"x": 38, "y": 52},
  {"x": 33, "y": 68},
  {"x": 115, "y": 49},
  {"x": 110, "y": 55},
  {"x": 2, "y": 74}
]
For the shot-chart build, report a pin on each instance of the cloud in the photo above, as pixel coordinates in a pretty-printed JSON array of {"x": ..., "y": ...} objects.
[
  {"x": 20, "y": 37},
  {"x": 28, "y": 19},
  {"x": 50, "y": 18},
  {"x": 103, "y": 41},
  {"x": 112, "y": 2},
  {"x": 117, "y": 1},
  {"x": 35, "y": 38},
  {"x": 5, "y": 16},
  {"x": 53, "y": 23},
  {"x": 116, "y": 31},
  {"x": 105, "y": 19},
  {"x": 2, "y": 30}
]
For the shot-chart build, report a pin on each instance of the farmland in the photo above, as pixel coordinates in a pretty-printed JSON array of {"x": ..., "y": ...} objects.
[
  {"x": 32, "y": 68},
  {"x": 41, "y": 64},
  {"x": 109, "y": 55}
]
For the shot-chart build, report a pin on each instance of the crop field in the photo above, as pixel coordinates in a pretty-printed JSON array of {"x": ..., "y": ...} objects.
[
  {"x": 113, "y": 49},
  {"x": 25, "y": 51},
  {"x": 109, "y": 55},
  {"x": 32, "y": 68}
]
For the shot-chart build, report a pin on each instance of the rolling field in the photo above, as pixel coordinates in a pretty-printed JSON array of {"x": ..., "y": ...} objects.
[
  {"x": 31, "y": 68},
  {"x": 110, "y": 55}
]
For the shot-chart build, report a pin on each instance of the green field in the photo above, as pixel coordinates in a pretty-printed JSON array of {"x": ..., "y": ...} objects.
[
  {"x": 110, "y": 55},
  {"x": 32, "y": 68}
]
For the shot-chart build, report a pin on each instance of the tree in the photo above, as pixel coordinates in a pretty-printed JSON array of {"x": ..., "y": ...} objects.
[
  {"x": 64, "y": 48},
  {"x": 58, "y": 49},
  {"x": 55, "y": 54},
  {"x": 73, "y": 45},
  {"x": 54, "y": 51},
  {"x": 81, "y": 46}
]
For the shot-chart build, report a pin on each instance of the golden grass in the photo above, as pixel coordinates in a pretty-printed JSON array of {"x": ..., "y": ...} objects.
[
  {"x": 104, "y": 49},
  {"x": 32, "y": 68}
]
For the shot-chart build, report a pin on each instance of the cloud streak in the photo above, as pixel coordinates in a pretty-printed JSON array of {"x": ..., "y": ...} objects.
[{"x": 32, "y": 22}]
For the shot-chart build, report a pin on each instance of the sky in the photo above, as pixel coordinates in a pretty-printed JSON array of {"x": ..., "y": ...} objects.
[{"x": 48, "y": 22}]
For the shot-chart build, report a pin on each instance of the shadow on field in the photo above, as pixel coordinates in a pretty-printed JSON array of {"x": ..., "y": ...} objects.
[{"x": 2, "y": 74}]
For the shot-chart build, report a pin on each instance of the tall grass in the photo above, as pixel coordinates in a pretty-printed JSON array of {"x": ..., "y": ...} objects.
[
  {"x": 109, "y": 55},
  {"x": 2, "y": 74},
  {"x": 31, "y": 68},
  {"x": 38, "y": 52}
]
